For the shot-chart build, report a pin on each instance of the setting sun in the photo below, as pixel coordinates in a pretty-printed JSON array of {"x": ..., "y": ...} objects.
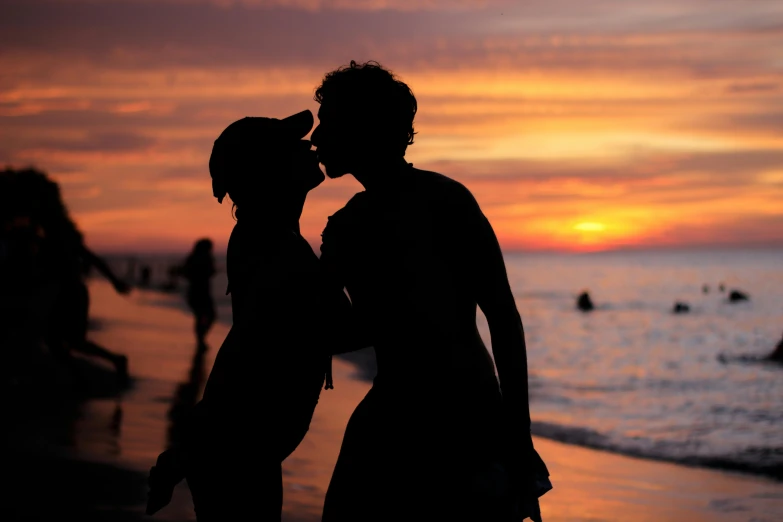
[{"x": 590, "y": 227}]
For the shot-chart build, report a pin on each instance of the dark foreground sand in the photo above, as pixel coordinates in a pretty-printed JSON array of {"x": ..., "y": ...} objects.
[{"x": 72, "y": 459}]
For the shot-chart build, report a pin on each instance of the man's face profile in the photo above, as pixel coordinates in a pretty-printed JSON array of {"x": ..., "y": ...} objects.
[{"x": 332, "y": 138}]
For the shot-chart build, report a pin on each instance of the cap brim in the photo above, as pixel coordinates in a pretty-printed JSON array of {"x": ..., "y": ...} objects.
[{"x": 299, "y": 124}]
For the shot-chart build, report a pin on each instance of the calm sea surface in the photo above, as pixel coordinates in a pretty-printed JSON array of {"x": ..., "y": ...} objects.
[{"x": 632, "y": 376}]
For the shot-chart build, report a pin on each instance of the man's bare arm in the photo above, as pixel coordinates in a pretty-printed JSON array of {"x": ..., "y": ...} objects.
[{"x": 496, "y": 300}]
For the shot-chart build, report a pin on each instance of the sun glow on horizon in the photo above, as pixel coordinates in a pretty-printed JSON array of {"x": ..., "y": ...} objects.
[
  {"x": 589, "y": 226},
  {"x": 572, "y": 136}
]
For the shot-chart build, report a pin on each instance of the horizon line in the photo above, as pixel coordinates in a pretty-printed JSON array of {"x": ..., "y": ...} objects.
[{"x": 517, "y": 250}]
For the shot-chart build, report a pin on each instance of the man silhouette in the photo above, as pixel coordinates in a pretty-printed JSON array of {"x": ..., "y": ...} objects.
[{"x": 435, "y": 439}]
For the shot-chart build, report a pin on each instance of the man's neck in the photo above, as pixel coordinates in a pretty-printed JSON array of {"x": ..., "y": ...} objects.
[
  {"x": 381, "y": 175},
  {"x": 268, "y": 224}
]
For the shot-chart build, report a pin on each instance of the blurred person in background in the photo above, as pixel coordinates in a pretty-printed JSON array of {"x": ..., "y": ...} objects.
[
  {"x": 26, "y": 295},
  {"x": 44, "y": 249},
  {"x": 198, "y": 269}
]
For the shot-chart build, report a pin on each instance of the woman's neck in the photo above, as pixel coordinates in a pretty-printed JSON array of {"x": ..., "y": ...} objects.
[{"x": 266, "y": 222}]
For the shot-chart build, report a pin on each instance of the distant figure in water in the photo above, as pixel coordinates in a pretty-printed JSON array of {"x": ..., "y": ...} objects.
[
  {"x": 735, "y": 296},
  {"x": 584, "y": 303},
  {"x": 198, "y": 269},
  {"x": 777, "y": 354},
  {"x": 267, "y": 377},
  {"x": 705, "y": 289},
  {"x": 435, "y": 438},
  {"x": 681, "y": 308},
  {"x": 64, "y": 261}
]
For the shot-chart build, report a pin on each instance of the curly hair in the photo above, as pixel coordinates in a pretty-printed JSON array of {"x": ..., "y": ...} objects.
[{"x": 375, "y": 97}]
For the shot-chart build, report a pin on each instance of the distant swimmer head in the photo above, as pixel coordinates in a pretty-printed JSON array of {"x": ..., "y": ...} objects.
[{"x": 264, "y": 158}]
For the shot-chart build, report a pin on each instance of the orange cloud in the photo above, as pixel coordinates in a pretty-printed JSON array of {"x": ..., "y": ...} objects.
[{"x": 578, "y": 125}]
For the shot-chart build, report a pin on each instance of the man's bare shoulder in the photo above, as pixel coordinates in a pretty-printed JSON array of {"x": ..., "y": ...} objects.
[
  {"x": 357, "y": 204},
  {"x": 444, "y": 189}
]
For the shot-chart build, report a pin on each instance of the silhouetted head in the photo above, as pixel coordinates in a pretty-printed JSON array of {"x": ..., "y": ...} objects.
[
  {"x": 201, "y": 253},
  {"x": 203, "y": 246},
  {"x": 264, "y": 164},
  {"x": 35, "y": 224},
  {"x": 366, "y": 116},
  {"x": 31, "y": 199}
]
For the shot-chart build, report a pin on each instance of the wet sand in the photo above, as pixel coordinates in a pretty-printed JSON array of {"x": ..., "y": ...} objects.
[{"x": 96, "y": 468}]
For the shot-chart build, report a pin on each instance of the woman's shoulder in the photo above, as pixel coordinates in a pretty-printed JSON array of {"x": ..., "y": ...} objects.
[{"x": 291, "y": 259}]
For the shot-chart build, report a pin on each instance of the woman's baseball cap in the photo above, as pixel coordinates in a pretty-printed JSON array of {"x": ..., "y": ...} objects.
[{"x": 253, "y": 135}]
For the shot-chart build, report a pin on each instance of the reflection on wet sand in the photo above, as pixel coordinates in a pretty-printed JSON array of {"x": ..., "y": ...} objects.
[{"x": 187, "y": 395}]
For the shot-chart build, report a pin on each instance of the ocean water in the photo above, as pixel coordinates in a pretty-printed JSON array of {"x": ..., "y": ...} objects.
[{"x": 633, "y": 377}]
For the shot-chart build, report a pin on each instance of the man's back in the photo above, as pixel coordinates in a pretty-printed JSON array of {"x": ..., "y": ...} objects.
[{"x": 404, "y": 255}]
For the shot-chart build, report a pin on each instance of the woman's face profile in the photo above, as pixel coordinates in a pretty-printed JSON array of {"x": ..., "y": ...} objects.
[
  {"x": 305, "y": 168},
  {"x": 274, "y": 174}
]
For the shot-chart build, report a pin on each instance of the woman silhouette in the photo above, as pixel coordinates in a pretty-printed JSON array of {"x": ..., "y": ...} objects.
[
  {"x": 266, "y": 381},
  {"x": 198, "y": 269}
]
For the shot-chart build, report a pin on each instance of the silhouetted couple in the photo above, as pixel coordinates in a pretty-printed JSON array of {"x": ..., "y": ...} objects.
[{"x": 437, "y": 437}]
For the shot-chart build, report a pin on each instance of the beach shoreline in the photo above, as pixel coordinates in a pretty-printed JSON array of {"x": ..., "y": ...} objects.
[
  {"x": 632, "y": 377},
  {"x": 112, "y": 442}
]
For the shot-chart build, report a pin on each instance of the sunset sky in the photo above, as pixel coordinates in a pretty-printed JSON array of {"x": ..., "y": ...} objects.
[{"x": 578, "y": 124}]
